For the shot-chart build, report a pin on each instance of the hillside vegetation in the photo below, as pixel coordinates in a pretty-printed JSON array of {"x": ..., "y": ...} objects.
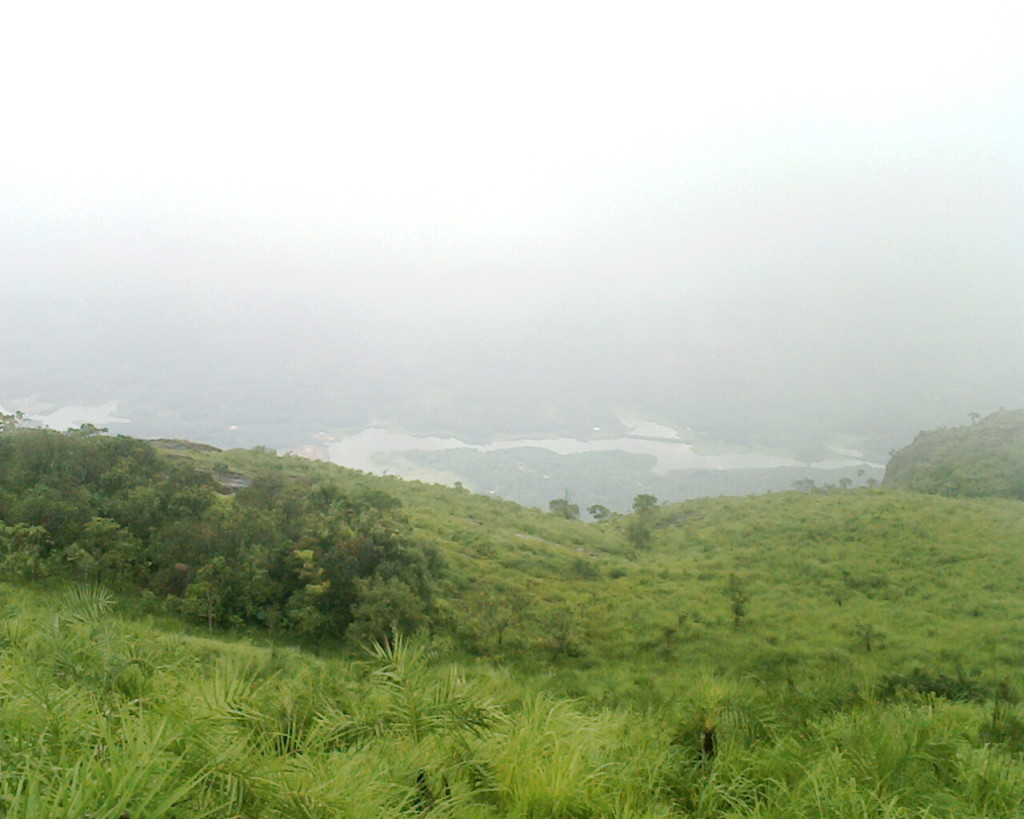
[
  {"x": 982, "y": 460},
  {"x": 314, "y": 558},
  {"x": 846, "y": 653},
  {"x": 109, "y": 716}
]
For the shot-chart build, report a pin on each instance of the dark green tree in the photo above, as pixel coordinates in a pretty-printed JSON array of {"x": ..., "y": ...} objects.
[
  {"x": 206, "y": 597},
  {"x": 737, "y": 600},
  {"x": 644, "y": 504},
  {"x": 9, "y": 420},
  {"x": 564, "y": 508},
  {"x": 640, "y": 527},
  {"x": 22, "y": 548},
  {"x": 638, "y": 532},
  {"x": 386, "y": 606}
]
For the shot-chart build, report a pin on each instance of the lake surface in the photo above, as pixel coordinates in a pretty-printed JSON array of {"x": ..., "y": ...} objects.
[
  {"x": 369, "y": 450},
  {"x": 100, "y": 415},
  {"x": 360, "y": 451}
]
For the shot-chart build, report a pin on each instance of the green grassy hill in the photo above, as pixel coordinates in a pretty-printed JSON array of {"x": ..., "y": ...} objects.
[
  {"x": 879, "y": 580},
  {"x": 848, "y": 653},
  {"x": 982, "y": 460},
  {"x": 821, "y": 572}
]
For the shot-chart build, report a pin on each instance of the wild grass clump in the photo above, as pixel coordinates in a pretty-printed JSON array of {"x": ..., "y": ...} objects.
[{"x": 258, "y": 733}]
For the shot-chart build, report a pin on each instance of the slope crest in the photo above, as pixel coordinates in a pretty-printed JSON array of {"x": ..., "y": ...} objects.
[{"x": 985, "y": 459}]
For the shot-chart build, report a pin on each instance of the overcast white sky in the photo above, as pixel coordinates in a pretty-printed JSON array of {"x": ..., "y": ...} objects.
[{"x": 789, "y": 193}]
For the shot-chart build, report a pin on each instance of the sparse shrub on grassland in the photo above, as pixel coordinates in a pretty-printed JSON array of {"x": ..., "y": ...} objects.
[{"x": 956, "y": 688}]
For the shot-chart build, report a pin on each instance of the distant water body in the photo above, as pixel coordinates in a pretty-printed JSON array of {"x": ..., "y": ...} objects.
[
  {"x": 360, "y": 451},
  {"x": 100, "y": 415}
]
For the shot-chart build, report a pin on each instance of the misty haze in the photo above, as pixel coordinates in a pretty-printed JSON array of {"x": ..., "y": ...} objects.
[{"x": 779, "y": 243}]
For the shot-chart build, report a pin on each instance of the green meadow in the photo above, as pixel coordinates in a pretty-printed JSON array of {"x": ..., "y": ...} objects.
[{"x": 313, "y": 642}]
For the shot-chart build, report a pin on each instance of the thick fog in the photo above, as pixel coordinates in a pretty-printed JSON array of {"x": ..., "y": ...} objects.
[{"x": 774, "y": 226}]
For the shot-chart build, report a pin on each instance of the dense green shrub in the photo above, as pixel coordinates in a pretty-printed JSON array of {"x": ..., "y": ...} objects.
[
  {"x": 280, "y": 552},
  {"x": 956, "y": 688}
]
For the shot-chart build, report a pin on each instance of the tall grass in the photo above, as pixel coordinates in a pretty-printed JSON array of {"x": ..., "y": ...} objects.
[{"x": 103, "y": 716}]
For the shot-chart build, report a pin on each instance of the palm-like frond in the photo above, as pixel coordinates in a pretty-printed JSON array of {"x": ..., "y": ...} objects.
[{"x": 84, "y": 603}]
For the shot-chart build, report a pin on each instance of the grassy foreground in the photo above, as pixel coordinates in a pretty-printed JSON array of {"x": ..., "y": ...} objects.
[{"x": 106, "y": 716}]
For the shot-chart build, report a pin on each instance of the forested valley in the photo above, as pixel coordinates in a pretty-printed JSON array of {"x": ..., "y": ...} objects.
[{"x": 192, "y": 632}]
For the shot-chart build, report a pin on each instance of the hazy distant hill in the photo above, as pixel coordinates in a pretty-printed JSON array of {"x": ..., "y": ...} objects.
[{"x": 984, "y": 459}]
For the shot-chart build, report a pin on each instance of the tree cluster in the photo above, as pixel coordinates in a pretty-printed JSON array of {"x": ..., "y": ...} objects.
[{"x": 317, "y": 559}]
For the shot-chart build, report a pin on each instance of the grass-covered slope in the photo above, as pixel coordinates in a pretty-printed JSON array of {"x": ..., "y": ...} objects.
[
  {"x": 108, "y": 716},
  {"x": 800, "y": 591},
  {"x": 844, "y": 654},
  {"x": 777, "y": 585},
  {"x": 981, "y": 460}
]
